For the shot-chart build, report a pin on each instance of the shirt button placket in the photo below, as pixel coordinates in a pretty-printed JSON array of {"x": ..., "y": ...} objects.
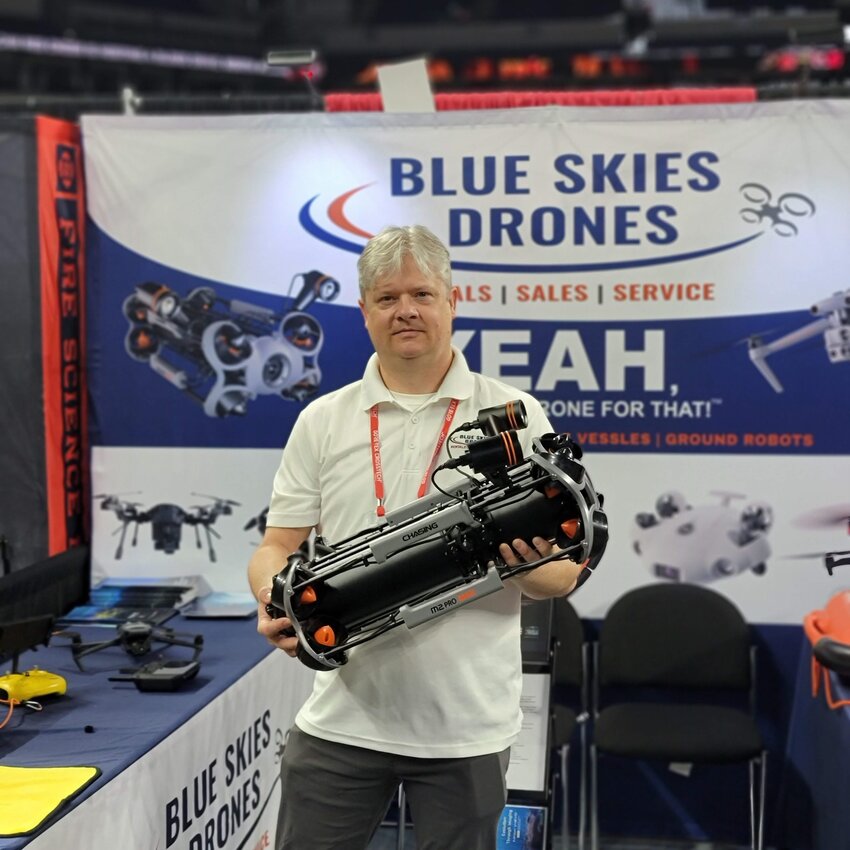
[{"x": 411, "y": 435}]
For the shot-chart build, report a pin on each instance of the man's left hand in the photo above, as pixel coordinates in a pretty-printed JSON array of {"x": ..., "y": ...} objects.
[
  {"x": 518, "y": 551},
  {"x": 557, "y": 578}
]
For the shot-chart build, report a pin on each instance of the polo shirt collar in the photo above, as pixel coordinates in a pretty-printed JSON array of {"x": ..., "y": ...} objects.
[{"x": 458, "y": 382}]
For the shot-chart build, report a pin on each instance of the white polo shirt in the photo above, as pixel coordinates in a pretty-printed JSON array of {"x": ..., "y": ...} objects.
[{"x": 450, "y": 687}]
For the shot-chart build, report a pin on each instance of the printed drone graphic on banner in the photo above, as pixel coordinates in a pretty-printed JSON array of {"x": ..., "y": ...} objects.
[
  {"x": 240, "y": 349},
  {"x": 671, "y": 290},
  {"x": 174, "y": 512},
  {"x": 702, "y": 543},
  {"x": 166, "y": 521},
  {"x": 202, "y": 353}
]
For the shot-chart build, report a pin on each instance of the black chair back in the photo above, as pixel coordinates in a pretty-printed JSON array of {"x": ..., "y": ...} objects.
[{"x": 711, "y": 648}]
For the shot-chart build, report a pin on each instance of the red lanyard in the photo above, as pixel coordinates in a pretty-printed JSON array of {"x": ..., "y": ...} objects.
[{"x": 377, "y": 469}]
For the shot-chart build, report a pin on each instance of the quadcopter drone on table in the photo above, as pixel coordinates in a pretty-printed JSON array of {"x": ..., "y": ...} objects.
[
  {"x": 223, "y": 353},
  {"x": 441, "y": 552},
  {"x": 833, "y": 323},
  {"x": 136, "y": 638},
  {"x": 704, "y": 543},
  {"x": 167, "y": 520}
]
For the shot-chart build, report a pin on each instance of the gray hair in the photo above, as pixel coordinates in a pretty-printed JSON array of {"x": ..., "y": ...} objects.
[{"x": 385, "y": 254}]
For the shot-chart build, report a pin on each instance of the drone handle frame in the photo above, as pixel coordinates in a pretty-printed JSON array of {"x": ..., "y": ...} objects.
[{"x": 440, "y": 553}]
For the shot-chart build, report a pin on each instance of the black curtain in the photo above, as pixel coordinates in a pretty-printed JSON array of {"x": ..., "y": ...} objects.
[{"x": 23, "y": 504}]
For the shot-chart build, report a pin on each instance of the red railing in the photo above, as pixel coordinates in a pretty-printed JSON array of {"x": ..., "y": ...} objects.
[{"x": 371, "y": 101}]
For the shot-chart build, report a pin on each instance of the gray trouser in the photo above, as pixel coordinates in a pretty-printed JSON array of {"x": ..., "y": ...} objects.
[{"x": 334, "y": 796}]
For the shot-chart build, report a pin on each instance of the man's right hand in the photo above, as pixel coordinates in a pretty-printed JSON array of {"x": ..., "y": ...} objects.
[{"x": 276, "y": 630}]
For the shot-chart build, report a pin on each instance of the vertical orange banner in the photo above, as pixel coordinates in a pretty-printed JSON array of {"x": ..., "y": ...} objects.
[{"x": 61, "y": 214}]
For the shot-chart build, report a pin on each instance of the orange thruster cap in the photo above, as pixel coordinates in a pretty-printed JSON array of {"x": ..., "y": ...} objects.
[
  {"x": 325, "y": 636},
  {"x": 571, "y": 527}
]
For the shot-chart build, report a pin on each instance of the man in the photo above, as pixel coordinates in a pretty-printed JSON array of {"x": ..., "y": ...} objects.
[{"x": 436, "y": 707}]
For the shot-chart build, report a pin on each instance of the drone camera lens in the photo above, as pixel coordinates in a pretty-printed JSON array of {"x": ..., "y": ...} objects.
[{"x": 276, "y": 370}]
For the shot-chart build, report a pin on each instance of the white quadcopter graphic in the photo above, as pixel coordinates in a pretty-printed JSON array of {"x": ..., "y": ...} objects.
[
  {"x": 704, "y": 543},
  {"x": 833, "y": 322}
]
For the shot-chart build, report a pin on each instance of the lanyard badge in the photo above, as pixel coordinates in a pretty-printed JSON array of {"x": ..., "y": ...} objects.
[{"x": 377, "y": 468}]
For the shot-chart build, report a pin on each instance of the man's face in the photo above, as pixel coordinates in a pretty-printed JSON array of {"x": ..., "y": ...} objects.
[{"x": 409, "y": 317}]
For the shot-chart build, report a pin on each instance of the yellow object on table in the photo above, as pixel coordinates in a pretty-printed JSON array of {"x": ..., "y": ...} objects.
[{"x": 30, "y": 795}]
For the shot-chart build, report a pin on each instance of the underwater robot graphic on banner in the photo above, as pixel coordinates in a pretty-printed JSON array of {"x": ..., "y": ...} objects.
[
  {"x": 223, "y": 353},
  {"x": 703, "y": 543}
]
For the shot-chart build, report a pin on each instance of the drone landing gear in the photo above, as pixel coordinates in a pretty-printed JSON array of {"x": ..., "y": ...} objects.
[
  {"x": 836, "y": 559},
  {"x": 210, "y": 532}
]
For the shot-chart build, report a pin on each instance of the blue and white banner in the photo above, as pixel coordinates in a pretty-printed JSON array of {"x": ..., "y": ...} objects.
[{"x": 668, "y": 281}]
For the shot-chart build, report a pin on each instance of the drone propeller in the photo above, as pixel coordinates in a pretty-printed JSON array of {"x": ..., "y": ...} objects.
[
  {"x": 825, "y": 517},
  {"x": 206, "y": 514},
  {"x": 767, "y": 336},
  {"x": 830, "y": 560},
  {"x": 726, "y": 496},
  {"x": 744, "y": 341},
  {"x": 258, "y": 521},
  {"x": 217, "y": 499},
  {"x": 114, "y": 503},
  {"x": 804, "y": 556}
]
